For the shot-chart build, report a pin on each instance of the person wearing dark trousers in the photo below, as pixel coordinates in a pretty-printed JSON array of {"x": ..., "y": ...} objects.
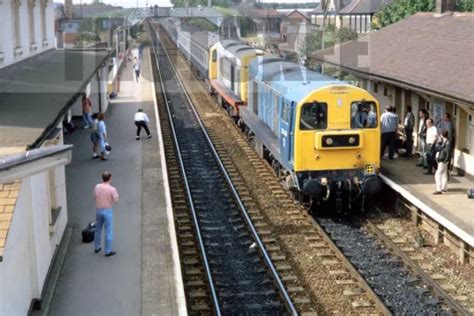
[
  {"x": 409, "y": 123},
  {"x": 141, "y": 121},
  {"x": 388, "y": 124}
]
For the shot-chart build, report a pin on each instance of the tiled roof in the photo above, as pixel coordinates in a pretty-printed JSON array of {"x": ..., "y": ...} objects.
[
  {"x": 425, "y": 51},
  {"x": 8, "y": 197},
  {"x": 364, "y": 6}
]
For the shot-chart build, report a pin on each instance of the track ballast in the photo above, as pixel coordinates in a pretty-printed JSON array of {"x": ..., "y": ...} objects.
[{"x": 239, "y": 278}]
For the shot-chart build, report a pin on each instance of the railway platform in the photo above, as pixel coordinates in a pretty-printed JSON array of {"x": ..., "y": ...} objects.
[
  {"x": 144, "y": 277},
  {"x": 450, "y": 216}
]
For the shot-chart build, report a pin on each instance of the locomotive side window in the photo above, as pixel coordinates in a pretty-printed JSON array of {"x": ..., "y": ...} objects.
[
  {"x": 214, "y": 55},
  {"x": 363, "y": 114},
  {"x": 285, "y": 112},
  {"x": 314, "y": 116}
]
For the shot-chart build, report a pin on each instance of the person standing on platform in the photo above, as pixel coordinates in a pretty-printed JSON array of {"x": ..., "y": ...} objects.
[
  {"x": 86, "y": 110},
  {"x": 447, "y": 125},
  {"x": 136, "y": 68},
  {"x": 105, "y": 196},
  {"x": 388, "y": 122},
  {"x": 423, "y": 114},
  {"x": 102, "y": 131},
  {"x": 443, "y": 157},
  {"x": 141, "y": 120},
  {"x": 409, "y": 123},
  {"x": 431, "y": 139}
]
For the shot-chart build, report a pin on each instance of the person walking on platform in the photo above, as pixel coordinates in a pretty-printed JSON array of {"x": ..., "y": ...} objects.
[
  {"x": 86, "y": 110},
  {"x": 136, "y": 68},
  {"x": 105, "y": 196},
  {"x": 102, "y": 131},
  {"x": 423, "y": 114},
  {"x": 443, "y": 157},
  {"x": 141, "y": 120},
  {"x": 388, "y": 122},
  {"x": 431, "y": 139},
  {"x": 95, "y": 137},
  {"x": 409, "y": 123}
]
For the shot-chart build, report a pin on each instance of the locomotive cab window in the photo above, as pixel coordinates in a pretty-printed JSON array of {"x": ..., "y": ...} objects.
[
  {"x": 363, "y": 114},
  {"x": 314, "y": 116},
  {"x": 214, "y": 56}
]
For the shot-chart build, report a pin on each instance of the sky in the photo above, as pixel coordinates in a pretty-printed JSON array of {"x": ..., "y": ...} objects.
[
  {"x": 126, "y": 3},
  {"x": 143, "y": 3}
]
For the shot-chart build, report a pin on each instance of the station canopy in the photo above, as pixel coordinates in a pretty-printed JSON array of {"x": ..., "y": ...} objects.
[{"x": 37, "y": 92}]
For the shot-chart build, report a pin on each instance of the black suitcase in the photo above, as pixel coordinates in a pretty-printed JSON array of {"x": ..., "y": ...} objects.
[{"x": 88, "y": 233}]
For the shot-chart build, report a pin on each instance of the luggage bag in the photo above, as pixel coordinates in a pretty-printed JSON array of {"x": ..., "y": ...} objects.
[{"x": 88, "y": 233}]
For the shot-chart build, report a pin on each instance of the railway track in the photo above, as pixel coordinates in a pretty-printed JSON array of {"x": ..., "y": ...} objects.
[
  {"x": 400, "y": 283},
  {"x": 328, "y": 247},
  {"x": 241, "y": 278}
]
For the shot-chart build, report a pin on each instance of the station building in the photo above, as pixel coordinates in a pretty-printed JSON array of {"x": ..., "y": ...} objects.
[
  {"x": 424, "y": 61},
  {"x": 40, "y": 89}
]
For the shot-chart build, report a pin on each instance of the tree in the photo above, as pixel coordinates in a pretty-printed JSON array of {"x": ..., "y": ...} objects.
[
  {"x": 332, "y": 36},
  {"x": 400, "y": 9}
]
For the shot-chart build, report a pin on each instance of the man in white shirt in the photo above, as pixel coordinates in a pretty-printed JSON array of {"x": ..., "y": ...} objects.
[
  {"x": 141, "y": 120},
  {"x": 431, "y": 138}
]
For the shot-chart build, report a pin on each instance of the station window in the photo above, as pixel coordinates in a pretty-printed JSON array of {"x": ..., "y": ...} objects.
[
  {"x": 385, "y": 91},
  {"x": 376, "y": 87},
  {"x": 314, "y": 116},
  {"x": 363, "y": 114}
]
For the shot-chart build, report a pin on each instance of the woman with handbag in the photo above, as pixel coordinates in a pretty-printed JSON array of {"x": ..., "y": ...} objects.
[
  {"x": 102, "y": 131},
  {"x": 443, "y": 157}
]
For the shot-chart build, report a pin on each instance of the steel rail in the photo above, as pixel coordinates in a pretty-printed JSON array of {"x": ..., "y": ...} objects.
[
  {"x": 257, "y": 239},
  {"x": 438, "y": 290},
  {"x": 354, "y": 272},
  {"x": 185, "y": 179}
]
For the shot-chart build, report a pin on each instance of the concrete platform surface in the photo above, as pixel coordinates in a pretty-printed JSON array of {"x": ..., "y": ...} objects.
[
  {"x": 144, "y": 277},
  {"x": 454, "y": 206}
]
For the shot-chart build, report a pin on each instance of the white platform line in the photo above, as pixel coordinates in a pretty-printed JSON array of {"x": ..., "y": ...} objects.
[
  {"x": 459, "y": 232},
  {"x": 180, "y": 297}
]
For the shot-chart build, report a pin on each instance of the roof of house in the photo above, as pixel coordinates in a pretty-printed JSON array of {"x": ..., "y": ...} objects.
[
  {"x": 295, "y": 14},
  {"x": 427, "y": 52},
  {"x": 354, "y": 6},
  {"x": 338, "y": 5},
  {"x": 36, "y": 93}
]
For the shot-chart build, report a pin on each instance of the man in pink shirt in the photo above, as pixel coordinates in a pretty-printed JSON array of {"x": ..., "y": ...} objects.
[{"x": 105, "y": 196}]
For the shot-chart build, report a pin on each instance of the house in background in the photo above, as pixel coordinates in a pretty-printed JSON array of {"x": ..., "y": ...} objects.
[
  {"x": 388, "y": 64},
  {"x": 293, "y": 30},
  {"x": 353, "y": 14}
]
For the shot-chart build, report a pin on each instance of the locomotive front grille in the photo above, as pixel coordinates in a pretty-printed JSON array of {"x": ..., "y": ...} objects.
[{"x": 334, "y": 141}]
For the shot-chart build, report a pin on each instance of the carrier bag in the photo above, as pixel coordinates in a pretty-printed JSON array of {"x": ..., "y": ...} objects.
[{"x": 88, "y": 233}]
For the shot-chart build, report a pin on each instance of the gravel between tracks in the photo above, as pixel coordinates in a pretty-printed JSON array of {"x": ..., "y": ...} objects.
[
  {"x": 436, "y": 259},
  {"x": 318, "y": 283}
]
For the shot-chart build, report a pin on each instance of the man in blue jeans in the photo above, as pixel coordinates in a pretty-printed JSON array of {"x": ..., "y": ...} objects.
[{"x": 105, "y": 196}]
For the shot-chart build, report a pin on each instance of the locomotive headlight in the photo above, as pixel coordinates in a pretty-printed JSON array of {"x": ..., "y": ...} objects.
[
  {"x": 352, "y": 140},
  {"x": 329, "y": 141}
]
